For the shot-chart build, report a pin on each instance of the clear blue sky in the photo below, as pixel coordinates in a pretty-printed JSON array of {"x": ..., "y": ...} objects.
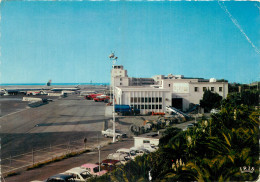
[{"x": 71, "y": 41}]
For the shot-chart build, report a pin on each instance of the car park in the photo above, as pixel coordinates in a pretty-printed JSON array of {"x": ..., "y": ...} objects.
[
  {"x": 94, "y": 169},
  {"x": 80, "y": 174}
]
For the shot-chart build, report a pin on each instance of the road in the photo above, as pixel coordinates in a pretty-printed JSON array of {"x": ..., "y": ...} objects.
[
  {"x": 55, "y": 123},
  {"x": 61, "y": 166}
]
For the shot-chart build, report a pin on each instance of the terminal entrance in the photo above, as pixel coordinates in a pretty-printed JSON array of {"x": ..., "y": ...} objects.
[{"x": 177, "y": 103}]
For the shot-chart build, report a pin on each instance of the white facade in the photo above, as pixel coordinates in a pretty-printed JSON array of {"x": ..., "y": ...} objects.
[
  {"x": 143, "y": 142},
  {"x": 147, "y": 99},
  {"x": 172, "y": 90},
  {"x": 119, "y": 76}
]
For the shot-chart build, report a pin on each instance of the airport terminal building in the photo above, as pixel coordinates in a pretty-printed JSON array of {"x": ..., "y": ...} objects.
[{"x": 154, "y": 94}]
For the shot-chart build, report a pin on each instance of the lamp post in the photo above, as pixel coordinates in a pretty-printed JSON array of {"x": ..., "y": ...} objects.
[
  {"x": 99, "y": 147},
  {"x": 113, "y": 58}
]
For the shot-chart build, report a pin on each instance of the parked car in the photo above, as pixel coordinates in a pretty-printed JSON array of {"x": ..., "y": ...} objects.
[
  {"x": 109, "y": 133},
  {"x": 151, "y": 148},
  {"x": 94, "y": 169},
  {"x": 214, "y": 111},
  {"x": 123, "y": 158},
  {"x": 61, "y": 178},
  {"x": 129, "y": 152},
  {"x": 140, "y": 150},
  {"x": 110, "y": 164},
  {"x": 188, "y": 126},
  {"x": 80, "y": 174}
]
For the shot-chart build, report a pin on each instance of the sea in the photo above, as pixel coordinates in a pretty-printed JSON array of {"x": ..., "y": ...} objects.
[{"x": 44, "y": 84}]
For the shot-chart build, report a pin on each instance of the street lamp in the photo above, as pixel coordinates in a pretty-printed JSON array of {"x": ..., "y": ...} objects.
[
  {"x": 113, "y": 58},
  {"x": 99, "y": 148}
]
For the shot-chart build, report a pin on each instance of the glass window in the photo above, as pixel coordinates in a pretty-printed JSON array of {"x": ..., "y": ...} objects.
[
  {"x": 157, "y": 107},
  {"x": 139, "y": 99},
  {"x": 142, "y": 106},
  {"x": 212, "y": 89},
  {"x": 160, "y": 106},
  {"x": 132, "y": 99},
  {"x": 150, "y": 107},
  {"x": 146, "y": 106},
  {"x": 157, "y": 99},
  {"x": 160, "y": 99},
  {"x": 196, "y": 89},
  {"x": 204, "y": 89},
  {"x": 220, "y": 89},
  {"x": 135, "y": 99},
  {"x": 142, "y": 99},
  {"x": 146, "y": 141},
  {"x": 149, "y": 99},
  {"x": 145, "y": 99}
]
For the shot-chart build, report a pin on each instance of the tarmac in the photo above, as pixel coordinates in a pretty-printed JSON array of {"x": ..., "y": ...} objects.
[{"x": 24, "y": 129}]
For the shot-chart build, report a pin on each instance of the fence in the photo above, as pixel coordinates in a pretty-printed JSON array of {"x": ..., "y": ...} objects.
[{"x": 15, "y": 163}]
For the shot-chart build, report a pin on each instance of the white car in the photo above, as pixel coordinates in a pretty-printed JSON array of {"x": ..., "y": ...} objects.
[
  {"x": 81, "y": 175},
  {"x": 214, "y": 111},
  {"x": 109, "y": 133},
  {"x": 129, "y": 152},
  {"x": 140, "y": 150},
  {"x": 123, "y": 158},
  {"x": 151, "y": 148}
]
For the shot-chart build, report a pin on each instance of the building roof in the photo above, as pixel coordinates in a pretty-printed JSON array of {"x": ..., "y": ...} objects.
[{"x": 142, "y": 88}]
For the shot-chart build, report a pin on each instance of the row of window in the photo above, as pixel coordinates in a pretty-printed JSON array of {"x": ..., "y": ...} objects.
[
  {"x": 196, "y": 89},
  {"x": 141, "y": 106},
  {"x": 146, "y": 99}
]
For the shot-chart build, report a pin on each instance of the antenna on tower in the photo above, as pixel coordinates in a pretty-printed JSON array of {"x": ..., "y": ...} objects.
[{"x": 112, "y": 55}]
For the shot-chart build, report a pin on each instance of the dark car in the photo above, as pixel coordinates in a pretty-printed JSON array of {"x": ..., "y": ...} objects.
[
  {"x": 109, "y": 164},
  {"x": 61, "y": 178}
]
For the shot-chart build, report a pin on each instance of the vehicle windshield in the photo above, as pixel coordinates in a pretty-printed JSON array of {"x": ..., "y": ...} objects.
[
  {"x": 96, "y": 169},
  {"x": 126, "y": 158},
  {"x": 85, "y": 175},
  {"x": 60, "y": 180},
  {"x": 55, "y": 180},
  {"x": 132, "y": 153}
]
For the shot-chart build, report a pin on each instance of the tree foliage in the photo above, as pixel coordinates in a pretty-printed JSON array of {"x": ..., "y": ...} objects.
[
  {"x": 248, "y": 97},
  {"x": 210, "y": 100},
  {"x": 215, "y": 150}
]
